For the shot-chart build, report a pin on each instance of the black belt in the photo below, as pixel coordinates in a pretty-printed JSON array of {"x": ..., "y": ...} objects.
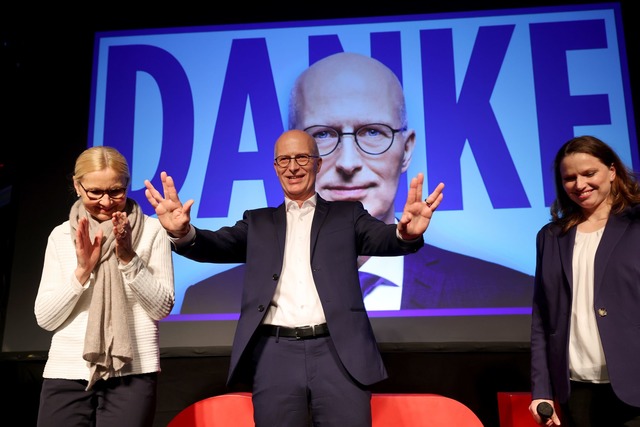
[{"x": 299, "y": 333}]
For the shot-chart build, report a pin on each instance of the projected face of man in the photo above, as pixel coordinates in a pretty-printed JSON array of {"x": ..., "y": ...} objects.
[{"x": 347, "y": 91}]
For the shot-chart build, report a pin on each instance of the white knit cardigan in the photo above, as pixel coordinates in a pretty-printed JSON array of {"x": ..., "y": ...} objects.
[{"x": 62, "y": 303}]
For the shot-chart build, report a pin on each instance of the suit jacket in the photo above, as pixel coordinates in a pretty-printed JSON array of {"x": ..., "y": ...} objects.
[
  {"x": 433, "y": 278},
  {"x": 340, "y": 232},
  {"x": 616, "y": 305}
]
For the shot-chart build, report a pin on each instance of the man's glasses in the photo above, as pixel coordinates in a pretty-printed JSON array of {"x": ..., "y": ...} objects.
[
  {"x": 301, "y": 160},
  {"x": 96, "y": 194},
  {"x": 374, "y": 138}
]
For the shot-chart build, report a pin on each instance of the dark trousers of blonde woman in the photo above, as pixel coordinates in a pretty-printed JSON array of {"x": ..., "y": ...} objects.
[{"x": 128, "y": 401}]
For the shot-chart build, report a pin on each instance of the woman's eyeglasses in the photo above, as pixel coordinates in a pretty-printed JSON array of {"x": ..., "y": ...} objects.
[{"x": 97, "y": 194}]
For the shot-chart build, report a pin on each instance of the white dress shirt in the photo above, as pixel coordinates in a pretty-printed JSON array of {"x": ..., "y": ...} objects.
[{"x": 296, "y": 301}]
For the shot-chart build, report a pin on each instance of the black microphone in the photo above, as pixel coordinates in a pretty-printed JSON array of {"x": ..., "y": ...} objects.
[{"x": 545, "y": 410}]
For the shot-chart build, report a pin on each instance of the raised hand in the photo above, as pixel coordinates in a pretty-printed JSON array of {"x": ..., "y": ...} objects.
[
  {"x": 418, "y": 212},
  {"x": 87, "y": 251},
  {"x": 173, "y": 215}
]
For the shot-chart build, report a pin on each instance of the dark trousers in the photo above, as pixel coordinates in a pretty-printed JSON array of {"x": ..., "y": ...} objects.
[
  {"x": 128, "y": 401},
  {"x": 596, "y": 405},
  {"x": 298, "y": 383}
]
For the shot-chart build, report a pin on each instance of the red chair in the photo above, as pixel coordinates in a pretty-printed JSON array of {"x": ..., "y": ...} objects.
[
  {"x": 225, "y": 410},
  {"x": 513, "y": 408},
  {"x": 387, "y": 410},
  {"x": 419, "y": 409}
]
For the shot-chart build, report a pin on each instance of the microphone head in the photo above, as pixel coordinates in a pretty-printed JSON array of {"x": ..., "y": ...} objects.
[{"x": 545, "y": 410}]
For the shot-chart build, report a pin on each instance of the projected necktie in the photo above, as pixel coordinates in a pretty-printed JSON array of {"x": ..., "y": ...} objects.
[{"x": 368, "y": 282}]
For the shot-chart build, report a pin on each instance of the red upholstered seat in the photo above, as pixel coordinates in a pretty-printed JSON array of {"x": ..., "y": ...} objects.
[
  {"x": 225, "y": 410},
  {"x": 387, "y": 410},
  {"x": 419, "y": 409},
  {"x": 513, "y": 408}
]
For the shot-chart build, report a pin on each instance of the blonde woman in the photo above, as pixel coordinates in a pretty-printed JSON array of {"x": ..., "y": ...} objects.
[{"x": 107, "y": 281}]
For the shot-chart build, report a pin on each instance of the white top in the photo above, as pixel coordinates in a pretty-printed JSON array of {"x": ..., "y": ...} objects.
[
  {"x": 586, "y": 357},
  {"x": 62, "y": 303}
]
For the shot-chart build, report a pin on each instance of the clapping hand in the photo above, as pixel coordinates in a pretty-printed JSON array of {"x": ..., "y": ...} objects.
[
  {"x": 122, "y": 231},
  {"x": 87, "y": 250}
]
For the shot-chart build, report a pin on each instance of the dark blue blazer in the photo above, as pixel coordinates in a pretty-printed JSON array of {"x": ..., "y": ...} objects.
[
  {"x": 433, "y": 278},
  {"x": 340, "y": 232},
  {"x": 616, "y": 305}
]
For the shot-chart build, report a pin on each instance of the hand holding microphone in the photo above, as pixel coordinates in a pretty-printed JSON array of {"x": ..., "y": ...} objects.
[{"x": 545, "y": 410}]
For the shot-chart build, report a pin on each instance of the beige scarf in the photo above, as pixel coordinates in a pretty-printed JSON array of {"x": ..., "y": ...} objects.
[{"x": 107, "y": 343}]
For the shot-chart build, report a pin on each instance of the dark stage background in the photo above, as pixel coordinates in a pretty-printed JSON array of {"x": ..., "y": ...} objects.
[{"x": 45, "y": 65}]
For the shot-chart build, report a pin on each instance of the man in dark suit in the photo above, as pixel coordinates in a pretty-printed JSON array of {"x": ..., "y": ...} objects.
[
  {"x": 303, "y": 340},
  {"x": 347, "y": 101}
]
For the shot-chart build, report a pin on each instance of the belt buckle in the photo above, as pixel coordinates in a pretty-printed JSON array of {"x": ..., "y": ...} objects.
[{"x": 299, "y": 331}]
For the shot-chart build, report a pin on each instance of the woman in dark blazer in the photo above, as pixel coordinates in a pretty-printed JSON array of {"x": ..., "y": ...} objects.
[{"x": 585, "y": 333}]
